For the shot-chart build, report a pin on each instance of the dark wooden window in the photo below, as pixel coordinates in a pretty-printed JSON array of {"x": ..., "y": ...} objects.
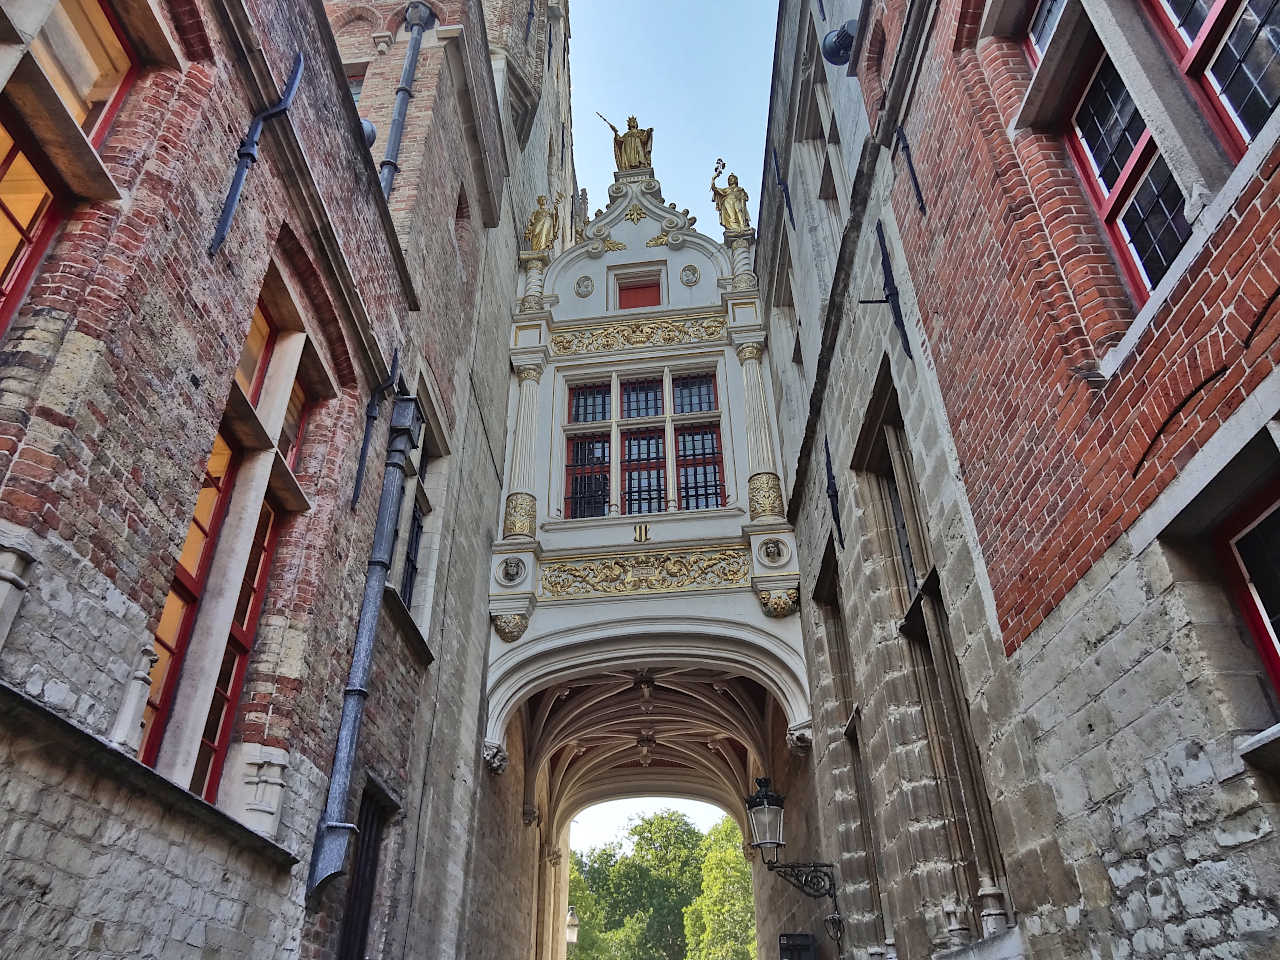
[
  {"x": 1043, "y": 21},
  {"x": 1229, "y": 51},
  {"x": 88, "y": 60},
  {"x": 696, "y": 394},
  {"x": 589, "y": 404},
  {"x": 647, "y": 294},
  {"x": 255, "y": 355},
  {"x": 1137, "y": 197},
  {"x": 642, "y": 398},
  {"x": 177, "y": 617},
  {"x": 644, "y": 472},
  {"x": 587, "y": 477},
  {"x": 699, "y": 467},
  {"x": 413, "y": 541},
  {"x": 371, "y": 826},
  {"x": 295, "y": 423},
  {"x": 355, "y": 80}
]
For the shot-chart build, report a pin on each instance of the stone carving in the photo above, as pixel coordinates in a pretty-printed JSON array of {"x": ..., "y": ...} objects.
[
  {"x": 530, "y": 815},
  {"x": 690, "y": 275},
  {"x": 510, "y": 626},
  {"x": 749, "y": 352},
  {"x": 126, "y": 732},
  {"x": 495, "y": 758},
  {"x": 774, "y": 552},
  {"x": 779, "y": 603},
  {"x": 669, "y": 571},
  {"x": 530, "y": 372},
  {"x": 744, "y": 281},
  {"x": 554, "y": 856},
  {"x": 764, "y": 495},
  {"x": 659, "y": 241},
  {"x": 520, "y": 517},
  {"x": 584, "y": 286},
  {"x": 638, "y": 333},
  {"x": 611, "y": 244},
  {"x": 635, "y": 213},
  {"x": 800, "y": 739},
  {"x": 511, "y": 571}
]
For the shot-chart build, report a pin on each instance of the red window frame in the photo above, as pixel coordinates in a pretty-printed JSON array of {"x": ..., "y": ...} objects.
[
  {"x": 1028, "y": 41},
  {"x": 291, "y": 458},
  {"x": 226, "y": 694},
  {"x": 13, "y": 291},
  {"x": 644, "y": 386},
  {"x": 190, "y": 587},
  {"x": 678, "y": 382},
  {"x": 716, "y": 459},
  {"x": 264, "y": 361},
  {"x": 630, "y": 468},
  {"x": 572, "y": 470},
  {"x": 1253, "y": 513},
  {"x": 1111, "y": 204},
  {"x": 1193, "y": 62}
]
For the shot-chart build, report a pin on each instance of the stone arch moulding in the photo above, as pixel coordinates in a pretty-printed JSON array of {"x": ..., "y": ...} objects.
[
  {"x": 582, "y": 651},
  {"x": 630, "y": 783},
  {"x": 351, "y": 15},
  {"x": 292, "y": 254}
]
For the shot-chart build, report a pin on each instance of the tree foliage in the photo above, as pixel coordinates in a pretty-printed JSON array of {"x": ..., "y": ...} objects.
[
  {"x": 631, "y": 904},
  {"x": 720, "y": 923}
]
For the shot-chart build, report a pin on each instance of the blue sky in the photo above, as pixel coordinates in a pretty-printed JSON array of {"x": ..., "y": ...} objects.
[{"x": 697, "y": 71}]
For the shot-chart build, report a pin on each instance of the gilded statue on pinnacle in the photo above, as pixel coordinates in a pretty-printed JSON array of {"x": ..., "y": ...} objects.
[
  {"x": 540, "y": 234},
  {"x": 731, "y": 202},
  {"x": 634, "y": 149}
]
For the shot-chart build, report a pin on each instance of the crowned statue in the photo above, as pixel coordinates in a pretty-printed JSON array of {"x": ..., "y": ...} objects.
[
  {"x": 731, "y": 202},
  {"x": 540, "y": 234},
  {"x": 633, "y": 149}
]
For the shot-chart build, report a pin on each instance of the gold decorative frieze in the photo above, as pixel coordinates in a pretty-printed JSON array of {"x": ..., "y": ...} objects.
[
  {"x": 764, "y": 495},
  {"x": 520, "y": 516},
  {"x": 638, "y": 333},
  {"x": 666, "y": 571}
]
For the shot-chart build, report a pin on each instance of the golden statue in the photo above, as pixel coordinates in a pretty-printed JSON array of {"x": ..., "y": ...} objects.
[
  {"x": 540, "y": 234},
  {"x": 731, "y": 202},
  {"x": 634, "y": 148}
]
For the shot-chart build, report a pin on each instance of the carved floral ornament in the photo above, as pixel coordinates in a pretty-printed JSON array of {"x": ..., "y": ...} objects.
[
  {"x": 764, "y": 495},
  {"x": 668, "y": 571},
  {"x": 638, "y": 333},
  {"x": 779, "y": 603},
  {"x": 520, "y": 516},
  {"x": 510, "y": 626}
]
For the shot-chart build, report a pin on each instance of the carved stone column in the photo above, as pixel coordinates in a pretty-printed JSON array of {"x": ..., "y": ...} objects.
[
  {"x": 535, "y": 265},
  {"x": 520, "y": 517},
  {"x": 126, "y": 731},
  {"x": 764, "y": 488}
]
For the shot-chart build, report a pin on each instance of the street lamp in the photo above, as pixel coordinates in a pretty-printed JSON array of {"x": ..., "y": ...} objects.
[
  {"x": 837, "y": 45},
  {"x": 817, "y": 880},
  {"x": 571, "y": 926}
]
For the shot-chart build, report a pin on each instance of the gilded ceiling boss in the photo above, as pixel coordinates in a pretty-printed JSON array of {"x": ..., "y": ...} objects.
[{"x": 634, "y": 148}]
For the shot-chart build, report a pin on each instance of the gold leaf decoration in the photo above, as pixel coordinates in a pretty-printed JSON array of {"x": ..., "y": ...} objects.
[
  {"x": 638, "y": 333},
  {"x": 659, "y": 241},
  {"x": 610, "y": 244},
  {"x": 669, "y": 571},
  {"x": 635, "y": 214}
]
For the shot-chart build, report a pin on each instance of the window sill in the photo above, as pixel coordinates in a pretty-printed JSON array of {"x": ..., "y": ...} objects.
[
  {"x": 1262, "y": 750},
  {"x": 27, "y": 717},
  {"x": 406, "y": 625},
  {"x": 631, "y": 519}
]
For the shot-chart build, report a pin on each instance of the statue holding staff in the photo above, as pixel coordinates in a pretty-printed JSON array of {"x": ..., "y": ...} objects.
[
  {"x": 731, "y": 202},
  {"x": 634, "y": 148},
  {"x": 540, "y": 234}
]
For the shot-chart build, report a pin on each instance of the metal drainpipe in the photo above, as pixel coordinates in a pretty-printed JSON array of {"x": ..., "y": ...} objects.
[
  {"x": 419, "y": 17},
  {"x": 334, "y": 830}
]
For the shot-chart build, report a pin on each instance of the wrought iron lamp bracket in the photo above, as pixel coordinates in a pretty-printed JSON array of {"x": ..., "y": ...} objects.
[{"x": 812, "y": 879}]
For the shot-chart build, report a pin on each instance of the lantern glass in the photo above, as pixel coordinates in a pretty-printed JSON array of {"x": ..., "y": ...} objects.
[
  {"x": 835, "y": 926},
  {"x": 766, "y": 830},
  {"x": 571, "y": 926}
]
